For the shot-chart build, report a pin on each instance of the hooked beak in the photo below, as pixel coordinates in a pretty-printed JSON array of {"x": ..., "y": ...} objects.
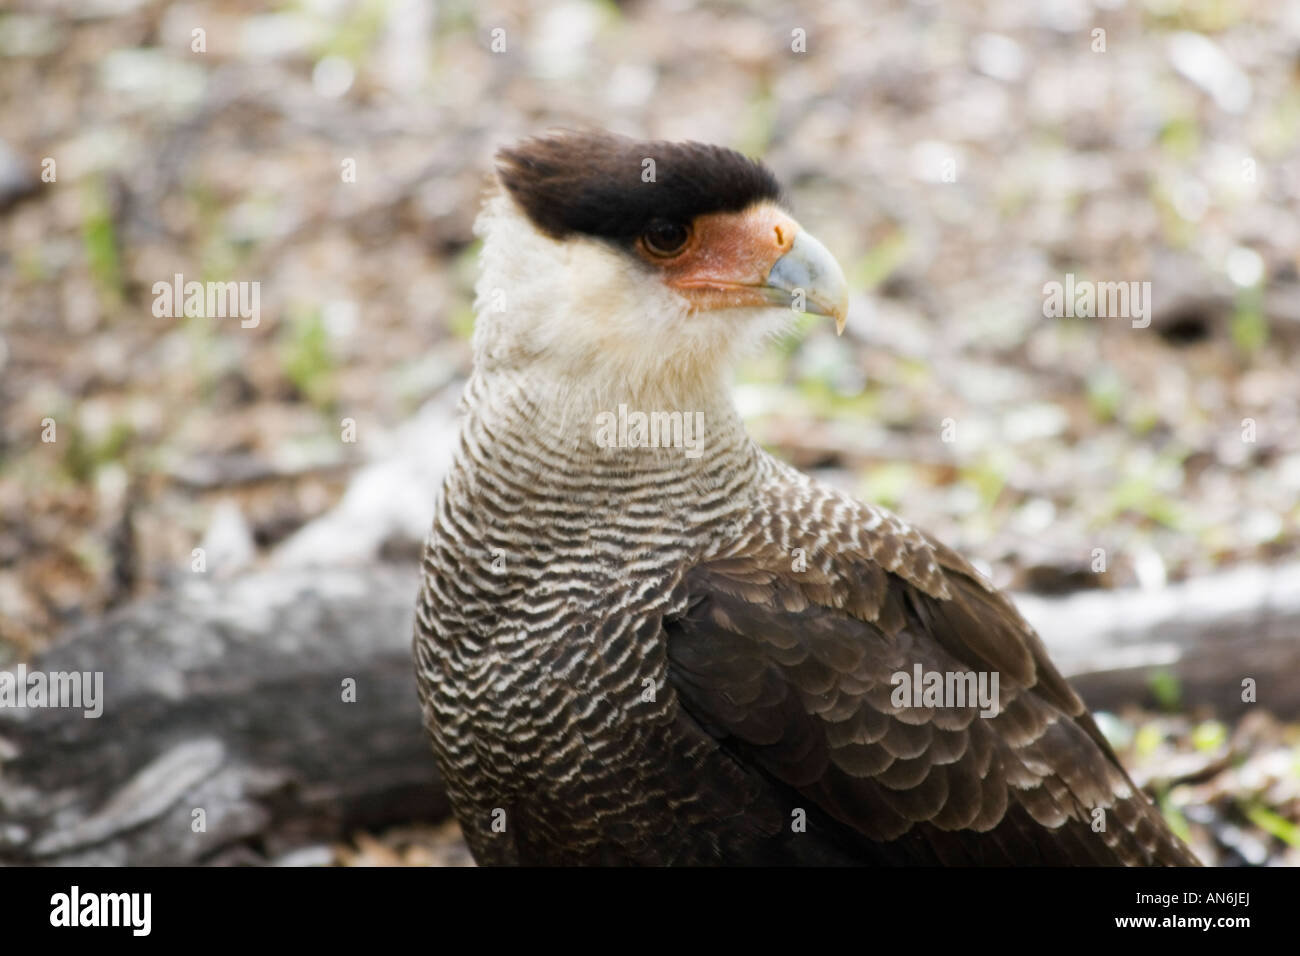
[
  {"x": 759, "y": 257},
  {"x": 810, "y": 269}
]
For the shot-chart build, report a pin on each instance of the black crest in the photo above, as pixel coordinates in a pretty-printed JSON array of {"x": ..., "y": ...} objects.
[{"x": 595, "y": 183}]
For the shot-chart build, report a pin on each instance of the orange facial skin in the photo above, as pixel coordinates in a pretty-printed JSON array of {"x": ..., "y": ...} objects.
[{"x": 725, "y": 261}]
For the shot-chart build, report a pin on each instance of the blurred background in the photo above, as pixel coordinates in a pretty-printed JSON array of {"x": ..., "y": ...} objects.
[{"x": 955, "y": 156}]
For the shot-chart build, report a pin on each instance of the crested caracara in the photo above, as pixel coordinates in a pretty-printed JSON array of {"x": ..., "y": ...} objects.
[{"x": 642, "y": 639}]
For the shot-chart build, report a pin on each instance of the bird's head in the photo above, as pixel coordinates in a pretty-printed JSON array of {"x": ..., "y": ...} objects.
[{"x": 650, "y": 263}]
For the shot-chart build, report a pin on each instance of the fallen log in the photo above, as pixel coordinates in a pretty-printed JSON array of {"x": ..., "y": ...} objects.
[
  {"x": 1210, "y": 634},
  {"x": 227, "y": 732}
]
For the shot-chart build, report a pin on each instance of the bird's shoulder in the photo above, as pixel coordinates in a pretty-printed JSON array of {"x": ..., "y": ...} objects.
[
  {"x": 809, "y": 548},
  {"x": 787, "y": 651}
]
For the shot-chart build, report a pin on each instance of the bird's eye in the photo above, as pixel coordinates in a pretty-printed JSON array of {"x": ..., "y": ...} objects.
[{"x": 663, "y": 238}]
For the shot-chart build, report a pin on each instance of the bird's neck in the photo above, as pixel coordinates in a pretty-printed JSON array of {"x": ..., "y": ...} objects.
[{"x": 624, "y": 438}]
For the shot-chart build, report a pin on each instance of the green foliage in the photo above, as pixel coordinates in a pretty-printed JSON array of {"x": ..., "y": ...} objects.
[
  {"x": 1177, "y": 231},
  {"x": 82, "y": 457},
  {"x": 1143, "y": 419},
  {"x": 461, "y": 320},
  {"x": 1209, "y": 735},
  {"x": 358, "y": 33},
  {"x": 823, "y": 400},
  {"x": 1271, "y": 823},
  {"x": 306, "y": 359},
  {"x": 1142, "y": 493},
  {"x": 1180, "y": 137},
  {"x": 1168, "y": 692},
  {"x": 885, "y": 484},
  {"x": 1174, "y": 817},
  {"x": 464, "y": 270},
  {"x": 1147, "y": 740},
  {"x": 1249, "y": 327},
  {"x": 99, "y": 238},
  {"x": 988, "y": 477}
]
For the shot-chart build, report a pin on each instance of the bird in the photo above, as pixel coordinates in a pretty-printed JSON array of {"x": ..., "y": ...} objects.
[{"x": 641, "y": 639}]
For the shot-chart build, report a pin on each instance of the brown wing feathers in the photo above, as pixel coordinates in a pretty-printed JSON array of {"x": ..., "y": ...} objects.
[{"x": 792, "y": 672}]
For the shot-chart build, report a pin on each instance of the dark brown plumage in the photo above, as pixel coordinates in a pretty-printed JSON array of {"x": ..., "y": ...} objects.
[
  {"x": 650, "y": 655},
  {"x": 596, "y": 184}
]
